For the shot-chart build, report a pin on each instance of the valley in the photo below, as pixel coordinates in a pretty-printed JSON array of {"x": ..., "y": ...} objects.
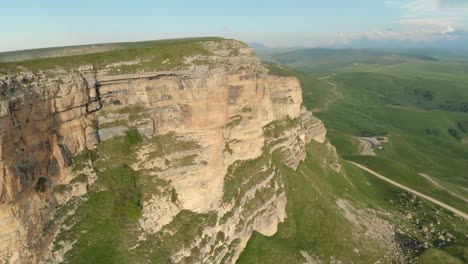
[
  {"x": 372, "y": 105},
  {"x": 234, "y": 132},
  {"x": 195, "y": 151}
]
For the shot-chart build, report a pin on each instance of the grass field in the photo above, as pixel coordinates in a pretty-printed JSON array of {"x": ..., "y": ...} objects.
[
  {"x": 316, "y": 225},
  {"x": 419, "y": 104},
  {"x": 152, "y": 55},
  {"x": 21, "y": 55}
]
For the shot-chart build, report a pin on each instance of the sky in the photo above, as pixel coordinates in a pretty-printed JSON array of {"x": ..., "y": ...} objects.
[{"x": 27, "y": 24}]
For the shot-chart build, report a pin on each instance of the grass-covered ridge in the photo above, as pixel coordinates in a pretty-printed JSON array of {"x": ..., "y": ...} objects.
[
  {"x": 153, "y": 55},
  {"x": 21, "y": 55}
]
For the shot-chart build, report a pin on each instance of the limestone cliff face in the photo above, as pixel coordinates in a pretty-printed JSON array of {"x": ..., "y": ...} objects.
[{"x": 225, "y": 103}]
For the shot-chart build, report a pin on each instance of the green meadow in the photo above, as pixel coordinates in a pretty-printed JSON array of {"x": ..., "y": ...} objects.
[
  {"x": 153, "y": 55},
  {"x": 416, "y": 101}
]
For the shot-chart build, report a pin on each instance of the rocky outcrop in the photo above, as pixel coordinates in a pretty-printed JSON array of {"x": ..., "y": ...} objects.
[{"x": 224, "y": 104}]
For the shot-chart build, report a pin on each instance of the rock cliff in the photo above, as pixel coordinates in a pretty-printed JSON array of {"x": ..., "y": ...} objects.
[{"x": 201, "y": 132}]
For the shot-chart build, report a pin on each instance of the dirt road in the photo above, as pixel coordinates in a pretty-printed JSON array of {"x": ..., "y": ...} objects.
[
  {"x": 334, "y": 91},
  {"x": 439, "y": 203},
  {"x": 429, "y": 178}
]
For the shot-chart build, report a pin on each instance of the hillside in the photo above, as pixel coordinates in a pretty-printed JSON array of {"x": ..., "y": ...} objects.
[
  {"x": 22, "y": 55},
  {"x": 153, "y": 154},
  {"x": 406, "y": 103},
  {"x": 194, "y": 151}
]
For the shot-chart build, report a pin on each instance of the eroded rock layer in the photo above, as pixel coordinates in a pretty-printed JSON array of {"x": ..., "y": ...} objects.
[{"x": 209, "y": 128}]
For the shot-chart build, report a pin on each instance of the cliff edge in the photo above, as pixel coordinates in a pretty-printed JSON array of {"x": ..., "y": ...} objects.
[{"x": 172, "y": 147}]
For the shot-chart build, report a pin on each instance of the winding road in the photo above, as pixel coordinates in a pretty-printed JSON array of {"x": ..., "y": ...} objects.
[
  {"x": 334, "y": 91},
  {"x": 437, "y": 202}
]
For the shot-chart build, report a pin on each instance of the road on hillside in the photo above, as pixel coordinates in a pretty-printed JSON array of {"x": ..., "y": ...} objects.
[
  {"x": 439, "y": 203},
  {"x": 429, "y": 178},
  {"x": 334, "y": 91}
]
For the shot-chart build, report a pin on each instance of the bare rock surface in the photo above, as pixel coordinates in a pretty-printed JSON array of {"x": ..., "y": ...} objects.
[{"x": 227, "y": 106}]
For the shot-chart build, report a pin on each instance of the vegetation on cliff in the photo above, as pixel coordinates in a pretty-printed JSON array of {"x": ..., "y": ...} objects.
[{"x": 145, "y": 56}]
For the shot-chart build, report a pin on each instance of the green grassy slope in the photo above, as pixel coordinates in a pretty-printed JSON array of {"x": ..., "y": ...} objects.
[
  {"x": 320, "y": 62},
  {"x": 151, "y": 53},
  {"x": 31, "y": 54},
  {"x": 421, "y": 105},
  {"x": 316, "y": 225},
  {"x": 376, "y": 100},
  {"x": 426, "y": 129}
]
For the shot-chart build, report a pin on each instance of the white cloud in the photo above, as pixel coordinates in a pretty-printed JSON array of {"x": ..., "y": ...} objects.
[
  {"x": 449, "y": 29},
  {"x": 422, "y": 21},
  {"x": 426, "y": 20}
]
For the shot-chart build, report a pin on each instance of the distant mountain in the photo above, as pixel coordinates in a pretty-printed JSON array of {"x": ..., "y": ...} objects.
[
  {"x": 452, "y": 46},
  {"x": 322, "y": 61}
]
